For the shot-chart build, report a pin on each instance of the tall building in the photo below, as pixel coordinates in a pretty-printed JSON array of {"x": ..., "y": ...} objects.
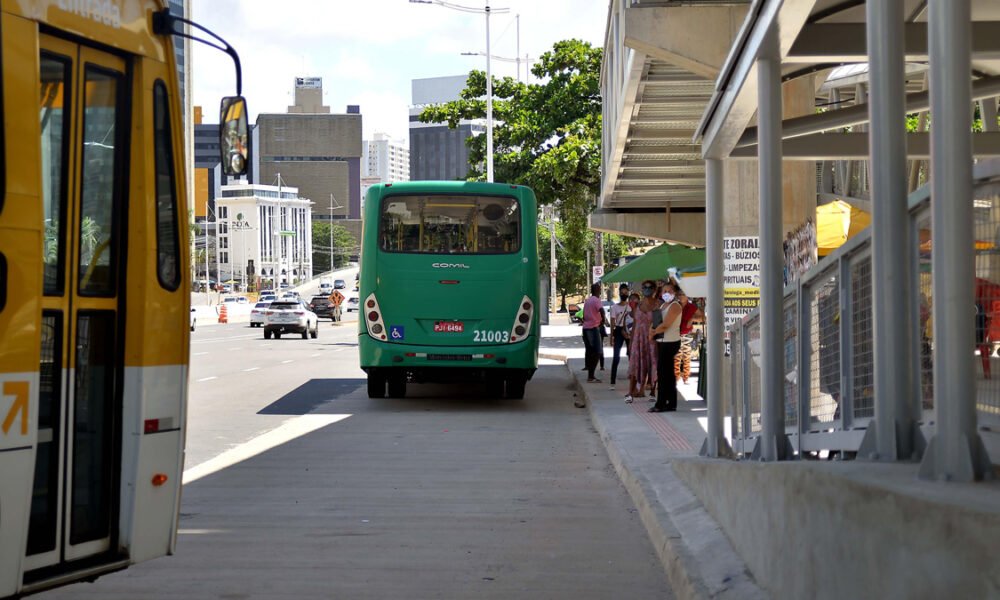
[
  {"x": 316, "y": 151},
  {"x": 386, "y": 160},
  {"x": 438, "y": 152},
  {"x": 265, "y": 232}
]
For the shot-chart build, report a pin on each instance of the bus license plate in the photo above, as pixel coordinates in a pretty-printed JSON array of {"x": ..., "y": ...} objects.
[{"x": 449, "y": 327}]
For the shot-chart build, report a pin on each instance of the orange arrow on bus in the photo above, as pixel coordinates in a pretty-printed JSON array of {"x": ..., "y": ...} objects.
[{"x": 18, "y": 389}]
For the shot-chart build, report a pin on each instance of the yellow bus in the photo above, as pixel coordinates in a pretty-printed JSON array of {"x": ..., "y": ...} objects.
[{"x": 94, "y": 288}]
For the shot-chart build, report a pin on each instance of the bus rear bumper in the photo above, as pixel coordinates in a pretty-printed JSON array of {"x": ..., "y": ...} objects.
[{"x": 451, "y": 363}]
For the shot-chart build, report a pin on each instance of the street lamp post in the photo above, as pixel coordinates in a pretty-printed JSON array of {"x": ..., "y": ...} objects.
[{"x": 489, "y": 73}]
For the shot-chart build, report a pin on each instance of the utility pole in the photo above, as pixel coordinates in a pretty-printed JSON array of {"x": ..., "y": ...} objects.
[
  {"x": 517, "y": 55},
  {"x": 489, "y": 102},
  {"x": 552, "y": 256},
  {"x": 331, "y": 231}
]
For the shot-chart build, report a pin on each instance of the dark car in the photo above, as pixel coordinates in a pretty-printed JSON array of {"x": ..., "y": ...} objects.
[
  {"x": 322, "y": 306},
  {"x": 339, "y": 284}
]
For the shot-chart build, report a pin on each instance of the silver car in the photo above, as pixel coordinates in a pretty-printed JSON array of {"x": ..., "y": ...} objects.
[
  {"x": 288, "y": 316},
  {"x": 258, "y": 312}
]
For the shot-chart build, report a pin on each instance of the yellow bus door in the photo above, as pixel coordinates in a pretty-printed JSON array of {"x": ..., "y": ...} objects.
[{"x": 84, "y": 117}]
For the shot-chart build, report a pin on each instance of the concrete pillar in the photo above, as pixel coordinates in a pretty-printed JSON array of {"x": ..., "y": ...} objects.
[
  {"x": 894, "y": 435},
  {"x": 773, "y": 443},
  {"x": 715, "y": 444},
  {"x": 956, "y": 452}
]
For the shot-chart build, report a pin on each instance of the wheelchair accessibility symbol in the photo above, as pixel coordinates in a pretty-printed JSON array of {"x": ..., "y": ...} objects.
[{"x": 396, "y": 332}]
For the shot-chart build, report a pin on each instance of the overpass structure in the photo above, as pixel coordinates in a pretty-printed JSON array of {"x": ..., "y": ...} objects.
[{"x": 727, "y": 119}]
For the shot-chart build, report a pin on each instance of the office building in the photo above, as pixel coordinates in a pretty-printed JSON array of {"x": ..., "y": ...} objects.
[
  {"x": 438, "y": 152},
  {"x": 264, "y": 235},
  {"x": 315, "y": 151}
]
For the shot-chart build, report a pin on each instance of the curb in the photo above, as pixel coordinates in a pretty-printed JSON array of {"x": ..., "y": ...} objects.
[{"x": 699, "y": 560}]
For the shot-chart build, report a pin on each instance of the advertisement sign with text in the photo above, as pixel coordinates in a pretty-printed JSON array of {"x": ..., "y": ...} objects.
[{"x": 741, "y": 277}]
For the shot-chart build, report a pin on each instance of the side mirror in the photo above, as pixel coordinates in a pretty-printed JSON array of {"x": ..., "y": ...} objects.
[{"x": 233, "y": 135}]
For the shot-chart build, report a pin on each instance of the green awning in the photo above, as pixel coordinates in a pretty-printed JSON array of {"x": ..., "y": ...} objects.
[{"x": 655, "y": 263}]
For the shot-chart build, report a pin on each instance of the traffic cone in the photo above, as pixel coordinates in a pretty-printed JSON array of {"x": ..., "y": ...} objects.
[{"x": 223, "y": 314}]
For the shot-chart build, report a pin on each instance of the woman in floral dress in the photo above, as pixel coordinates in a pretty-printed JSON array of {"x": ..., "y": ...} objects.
[{"x": 642, "y": 357}]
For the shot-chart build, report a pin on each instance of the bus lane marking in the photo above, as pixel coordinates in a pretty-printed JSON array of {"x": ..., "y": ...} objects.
[
  {"x": 250, "y": 369},
  {"x": 208, "y": 378}
]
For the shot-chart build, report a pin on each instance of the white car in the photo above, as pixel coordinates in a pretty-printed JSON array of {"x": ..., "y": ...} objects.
[
  {"x": 235, "y": 300},
  {"x": 325, "y": 288},
  {"x": 267, "y": 298},
  {"x": 290, "y": 316},
  {"x": 258, "y": 312},
  {"x": 352, "y": 304}
]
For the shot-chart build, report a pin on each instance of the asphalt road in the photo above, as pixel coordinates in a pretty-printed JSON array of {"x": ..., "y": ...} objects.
[{"x": 299, "y": 486}]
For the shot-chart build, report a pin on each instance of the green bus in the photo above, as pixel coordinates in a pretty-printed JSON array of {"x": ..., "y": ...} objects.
[{"x": 449, "y": 286}]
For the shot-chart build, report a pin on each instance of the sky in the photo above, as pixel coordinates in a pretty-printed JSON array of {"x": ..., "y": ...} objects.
[{"x": 368, "y": 51}]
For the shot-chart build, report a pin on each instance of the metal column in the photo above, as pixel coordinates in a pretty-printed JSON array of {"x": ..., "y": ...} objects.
[
  {"x": 894, "y": 435},
  {"x": 956, "y": 452},
  {"x": 715, "y": 444},
  {"x": 773, "y": 444}
]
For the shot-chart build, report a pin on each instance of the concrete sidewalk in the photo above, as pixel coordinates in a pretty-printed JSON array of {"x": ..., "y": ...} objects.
[
  {"x": 699, "y": 560},
  {"x": 798, "y": 529}
]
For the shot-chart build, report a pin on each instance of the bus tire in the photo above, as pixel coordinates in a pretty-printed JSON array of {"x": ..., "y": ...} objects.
[
  {"x": 376, "y": 385},
  {"x": 515, "y": 387},
  {"x": 397, "y": 386},
  {"x": 267, "y": 334}
]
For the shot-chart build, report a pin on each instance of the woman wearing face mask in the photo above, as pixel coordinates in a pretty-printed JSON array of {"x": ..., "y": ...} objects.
[
  {"x": 668, "y": 346},
  {"x": 642, "y": 356},
  {"x": 618, "y": 317}
]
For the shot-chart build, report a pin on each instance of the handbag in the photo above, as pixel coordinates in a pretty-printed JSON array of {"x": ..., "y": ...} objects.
[{"x": 657, "y": 321}]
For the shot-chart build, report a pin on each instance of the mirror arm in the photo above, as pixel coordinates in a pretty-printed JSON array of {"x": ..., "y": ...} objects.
[{"x": 165, "y": 23}]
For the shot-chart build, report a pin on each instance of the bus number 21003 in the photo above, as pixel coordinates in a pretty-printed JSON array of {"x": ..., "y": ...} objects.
[{"x": 481, "y": 335}]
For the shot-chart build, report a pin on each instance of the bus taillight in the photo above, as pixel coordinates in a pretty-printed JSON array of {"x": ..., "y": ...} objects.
[
  {"x": 522, "y": 320},
  {"x": 376, "y": 328}
]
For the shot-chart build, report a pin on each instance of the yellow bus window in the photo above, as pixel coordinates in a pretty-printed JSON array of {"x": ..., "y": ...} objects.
[
  {"x": 100, "y": 187},
  {"x": 54, "y": 117},
  {"x": 167, "y": 245}
]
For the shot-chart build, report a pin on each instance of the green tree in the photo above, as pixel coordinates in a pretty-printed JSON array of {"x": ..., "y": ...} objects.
[
  {"x": 547, "y": 135},
  {"x": 344, "y": 246}
]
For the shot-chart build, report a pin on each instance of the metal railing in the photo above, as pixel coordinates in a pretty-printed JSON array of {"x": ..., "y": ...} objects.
[{"x": 828, "y": 345}]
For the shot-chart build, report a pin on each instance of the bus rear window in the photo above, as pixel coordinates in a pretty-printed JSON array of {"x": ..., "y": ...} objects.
[{"x": 444, "y": 224}]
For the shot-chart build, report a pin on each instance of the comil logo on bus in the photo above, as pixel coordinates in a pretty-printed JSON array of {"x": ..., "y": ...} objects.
[
  {"x": 450, "y": 266},
  {"x": 102, "y": 11}
]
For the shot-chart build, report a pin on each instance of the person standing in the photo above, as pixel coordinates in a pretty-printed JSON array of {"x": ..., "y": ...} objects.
[
  {"x": 682, "y": 364},
  {"x": 668, "y": 339},
  {"x": 593, "y": 319},
  {"x": 619, "y": 336},
  {"x": 642, "y": 356}
]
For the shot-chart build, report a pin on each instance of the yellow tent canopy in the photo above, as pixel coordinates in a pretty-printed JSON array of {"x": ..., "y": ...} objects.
[{"x": 836, "y": 222}]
